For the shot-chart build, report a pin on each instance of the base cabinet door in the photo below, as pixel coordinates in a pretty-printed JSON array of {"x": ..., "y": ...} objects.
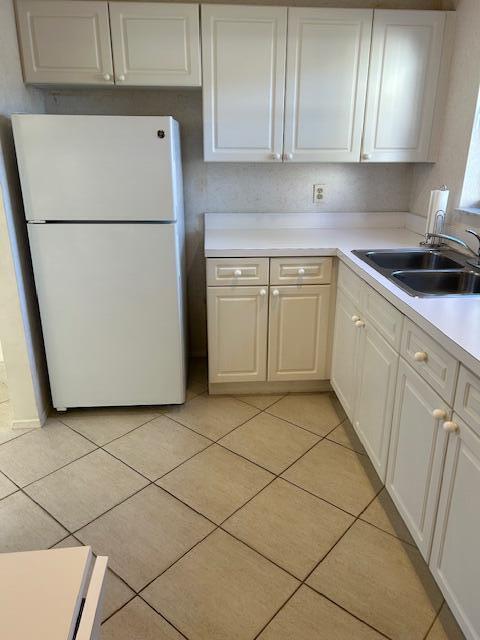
[
  {"x": 378, "y": 364},
  {"x": 237, "y": 333},
  {"x": 298, "y": 332},
  {"x": 455, "y": 559},
  {"x": 345, "y": 352},
  {"x": 416, "y": 454}
]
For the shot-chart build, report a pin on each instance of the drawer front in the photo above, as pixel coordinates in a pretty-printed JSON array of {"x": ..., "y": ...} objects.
[
  {"x": 300, "y": 270},
  {"x": 382, "y": 315},
  {"x": 91, "y": 616},
  {"x": 467, "y": 398},
  {"x": 236, "y": 271},
  {"x": 350, "y": 284},
  {"x": 430, "y": 360}
]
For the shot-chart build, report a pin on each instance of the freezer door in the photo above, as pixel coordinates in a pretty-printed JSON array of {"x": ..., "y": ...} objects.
[
  {"x": 99, "y": 167},
  {"x": 111, "y": 307}
]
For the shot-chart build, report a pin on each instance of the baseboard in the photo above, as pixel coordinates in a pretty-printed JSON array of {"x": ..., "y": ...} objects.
[
  {"x": 36, "y": 423},
  {"x": 281, "y": 386}
]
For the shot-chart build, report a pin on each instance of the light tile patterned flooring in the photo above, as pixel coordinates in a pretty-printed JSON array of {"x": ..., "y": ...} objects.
[{"x": 224, "y": 519}]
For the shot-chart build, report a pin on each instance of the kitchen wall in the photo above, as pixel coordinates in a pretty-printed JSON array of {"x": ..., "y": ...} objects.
[
  {"x": 460, "y": 114},
  {"x": 19, "y": 322}
]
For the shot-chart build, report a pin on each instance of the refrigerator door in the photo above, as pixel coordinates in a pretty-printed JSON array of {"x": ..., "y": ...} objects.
[
  {"x": 99, "y": 167},
  {"x": 111, "y": 305}
]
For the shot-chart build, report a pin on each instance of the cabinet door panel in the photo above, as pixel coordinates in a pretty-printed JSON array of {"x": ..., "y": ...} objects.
[
  {"x": 237, "y": 333},
  {"x": 327, "y": 68},
  {"x": 65, "y": 42},
  {"x": 402, "y": 84},
  {"x": 416, "y": 454},
  {"x": 378, "y": 364},
  {"x": 298, "y": 332},
  {"x": 455, "y": 561},
  {"x": 243, "y": 82},
  {"x": 155, "y": 44},
  {"x": 345, "y": 353}
]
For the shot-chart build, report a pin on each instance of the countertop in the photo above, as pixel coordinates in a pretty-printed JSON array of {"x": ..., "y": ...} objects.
[{"x": 453, "y": 322}]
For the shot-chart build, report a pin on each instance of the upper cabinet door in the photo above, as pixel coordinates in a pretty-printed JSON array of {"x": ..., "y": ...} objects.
[
  {"x": 402, "y": 85},
  {"x": 156, "y": 44},
  {"x": 327, "y": 71},
  {"x": 243, "y": 82},
  {"x": 65, "y": 42}
]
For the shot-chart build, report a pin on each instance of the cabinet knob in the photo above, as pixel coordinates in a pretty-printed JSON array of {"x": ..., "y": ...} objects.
[
  {"x": 276, "y": 156},
  {"x": 287, "y": 156},
  {"x": 359, "y": 323},
  {"x": 439, "y": 414},
  {"x": 366, "y": 156},
  {"x": 301, "y": 271},
  {"x": 450, "y": 427},
  {"x": 275, "y": 292},
  {"x": 107, "y": 76},
  {"x": 420, "y": 356},
  {"x": 263, "y": 292},
  {"x": 355, "y": 318},
  {"x": 237, "y": 273},
  {"x": 121, "y": 77}
]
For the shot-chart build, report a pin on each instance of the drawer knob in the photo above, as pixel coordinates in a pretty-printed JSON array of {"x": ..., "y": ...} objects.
[
  {"x": 121, "y": 77},
  {"x": 287, "y": 156},
  {"x": 355, "y": 318},
  {"x": 107, "y": 76},
  {"x": 276, "y": 156},
  {"x": 263, "y": 292},
  {"x": 420, "y": 356},
  {"x": 366, "y": 156},
  {"x": 359, "y": 323},
  {"x": 237, "y": 273},
  {"x": 439, "y": 414},
  {"x": 301, "y": 271},
  {"x": 450, "y": 427},
  {"x": 275, "y": 292}
]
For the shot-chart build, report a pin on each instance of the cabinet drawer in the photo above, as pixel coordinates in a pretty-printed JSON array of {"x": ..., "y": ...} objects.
[
  {"x": 430, "y": 360},
  {"x": 382, "y": 315},
  {"x": 91, "y": 616},
  {"x": 300, "y": 270},
  {"x": 467, "y": 398},
  {"x": 350, "y": 284},
  {"x": 237, "y": 271}
]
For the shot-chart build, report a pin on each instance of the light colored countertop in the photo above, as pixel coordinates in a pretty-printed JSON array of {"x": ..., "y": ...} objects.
[{"x": 453, "y": 322}]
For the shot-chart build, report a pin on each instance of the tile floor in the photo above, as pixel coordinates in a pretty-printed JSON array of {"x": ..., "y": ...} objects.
[{"x": 226, "y": 518}]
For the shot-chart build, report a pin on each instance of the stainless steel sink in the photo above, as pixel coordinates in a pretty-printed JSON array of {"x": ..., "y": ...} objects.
[
  {"x": 412, "y": 259},
  {"x": 425, "y": 272},
  {"x": 438, "y": 283}
]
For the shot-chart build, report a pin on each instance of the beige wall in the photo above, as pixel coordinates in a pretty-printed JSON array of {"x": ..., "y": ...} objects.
[
  {"x": 459, "y": 116},
  {"x": 19, "y": 323}
]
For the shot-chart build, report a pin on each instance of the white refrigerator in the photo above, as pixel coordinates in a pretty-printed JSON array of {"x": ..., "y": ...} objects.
[{"x": 103, "y": 199}]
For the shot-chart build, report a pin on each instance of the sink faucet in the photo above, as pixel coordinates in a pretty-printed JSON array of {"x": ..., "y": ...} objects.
[{"x": 444, "y": 236}]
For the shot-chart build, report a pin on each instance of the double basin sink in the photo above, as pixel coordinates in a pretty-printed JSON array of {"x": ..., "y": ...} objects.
[{"x": 425, "y": 272}]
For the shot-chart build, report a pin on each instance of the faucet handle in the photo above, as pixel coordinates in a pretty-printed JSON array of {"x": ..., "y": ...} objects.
[{"x": 477, "y": 236}]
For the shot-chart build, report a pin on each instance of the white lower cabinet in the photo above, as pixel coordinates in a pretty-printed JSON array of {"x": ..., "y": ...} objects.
[
  {"x": 298, "y": 332},
  {"x": 237, "y": 333},
  {"x": 345, "y": 352},
  {"x": 377, "y": 366},
  {"x": 455, "y": 559},
  {"x": 416, "y": 455}
]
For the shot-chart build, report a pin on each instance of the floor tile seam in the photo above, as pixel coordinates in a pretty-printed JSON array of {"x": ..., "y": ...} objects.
[
  {"x": 209, "y": 445},
  {"x": 199, "y": 513},
  {"x": 113, "y": 439},
  {"x": 299, "y": 426},
  {"x": 20, "y": 435},
  {"x": 129, "y": 466},
  {"x": 343, "y": 608},
  {"x": 340, "y": 444},
  {"x": 434, "y": 620},
  {"x": 40, "y": 506},
  {"x": 135, "y": 595},
  {"x": 197, "y": 433},
  {"x": 314, "y": 495},
  {"x": 162, "y": 616},
  {"x": 29, "y": 484},
  {"x": 278, "y": 611},
  {"x": 74, "y": 532},
  {"x": 261, "y": 394}
]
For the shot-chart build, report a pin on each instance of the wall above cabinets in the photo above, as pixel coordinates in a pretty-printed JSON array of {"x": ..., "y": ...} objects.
[
  {"x": 75, "y": 42},
  {"x": 280, "y": 84}
]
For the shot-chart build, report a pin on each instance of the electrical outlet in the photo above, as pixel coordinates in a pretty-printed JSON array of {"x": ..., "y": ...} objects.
[{"x": 319, "y": 193}]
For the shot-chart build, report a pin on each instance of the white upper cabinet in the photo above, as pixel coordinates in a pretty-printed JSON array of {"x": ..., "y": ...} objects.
[
  {"x": 327, "y": 70},
  {"x": 244, "y": 50},
  {"x": 155, "y": 43},
  {"x": 65, "y": 42},
  {"x": 403, "y": 85}
]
